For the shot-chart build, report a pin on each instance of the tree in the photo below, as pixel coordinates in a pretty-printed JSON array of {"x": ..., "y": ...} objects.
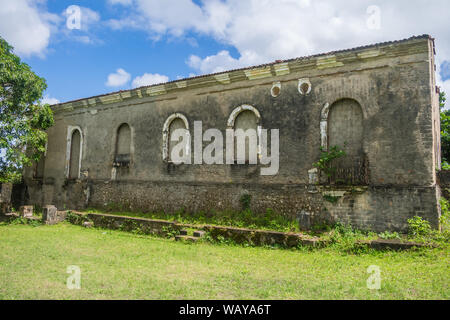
[
  {"x": 23, "y": 119},
  {"x": 445, "y": 132}
]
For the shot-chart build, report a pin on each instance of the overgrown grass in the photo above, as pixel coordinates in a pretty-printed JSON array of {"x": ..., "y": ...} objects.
[
  {"x": 240, "y": 219},
  {"x": 119, "y": 265}
]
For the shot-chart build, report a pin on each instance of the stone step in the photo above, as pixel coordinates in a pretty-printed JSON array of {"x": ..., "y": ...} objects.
[
  {"x": 184, "y": 232},
  {"x": 186, "y": 238},
  {"x": 199, "y": 234}
]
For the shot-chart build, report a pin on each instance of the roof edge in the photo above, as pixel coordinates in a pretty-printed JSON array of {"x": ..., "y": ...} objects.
[{"x": 386, "y": 43}]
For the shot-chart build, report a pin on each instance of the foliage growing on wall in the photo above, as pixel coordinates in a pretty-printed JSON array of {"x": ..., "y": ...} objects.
[
  {"x": 445, "y": 133},
  {"x": 23, "y": 119},
  {"x": 326, "y": 158}
]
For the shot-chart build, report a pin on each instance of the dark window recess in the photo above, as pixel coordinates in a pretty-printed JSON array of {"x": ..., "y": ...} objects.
[
  {"x": 123, "y": 146},
  {"x": 75, "y": 151},
  {"x": 350, "y": 171},
  {"x": 345, "y": 129},
  {"x": 122, "y": 160}
]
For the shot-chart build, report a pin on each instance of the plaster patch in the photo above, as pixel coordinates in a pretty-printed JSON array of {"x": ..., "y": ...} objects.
[
  {"x": 223, "y": 78},
  {"x": 258, "y": 73},
  {"x": 181, "y": 84},
  {"x": 282, "y": 69},
  {"x": 328, "y": 62},
  {"x": 156, "y": 91}
]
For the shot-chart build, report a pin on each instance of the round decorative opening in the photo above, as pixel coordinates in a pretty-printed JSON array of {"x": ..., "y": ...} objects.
[
  {"x": 304, "y": 86},
  {"x": 276, "y": 91}
]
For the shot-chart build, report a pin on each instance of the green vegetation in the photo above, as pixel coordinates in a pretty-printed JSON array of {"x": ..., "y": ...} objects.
[
  {"x": 339, "y": 235},
  {"x": 246, "y": 201},
  {"x": 23, "y": 120},
  {"x": 331, "y": 199},
  {"x": 240, "y": 219},
  {"x": 119, "y": 265},
  {"x": 418, "y": 227},
  {"x": 445, "y": 215},
  {"x": 445, "y": 132},
  {"x": 327, "y": 157}
]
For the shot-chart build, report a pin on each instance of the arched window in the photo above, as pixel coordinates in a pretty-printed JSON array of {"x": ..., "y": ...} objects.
[
  {"x": 245, "y": 121},
  {"x": 123, "y": 145},
  {"x": 342, "y": 125},
  {"x": 345, "y": 127},
  {"x": 75, "y": 154},
  {"x": 176, "y": 139}
]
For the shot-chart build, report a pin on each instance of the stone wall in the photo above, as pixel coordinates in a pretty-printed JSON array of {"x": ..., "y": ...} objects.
[
  {"x": 391, "y": 86},
  {"x": 444, "y": 183},
  {"x": 5, "y": 197}
]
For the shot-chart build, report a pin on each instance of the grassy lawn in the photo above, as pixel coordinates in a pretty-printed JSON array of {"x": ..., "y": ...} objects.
[{"x": 119, "y": 265}]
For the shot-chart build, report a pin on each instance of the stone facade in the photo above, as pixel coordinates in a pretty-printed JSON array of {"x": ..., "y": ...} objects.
[
  {"x": 5, "y": 197},
  {"x": 113, "y": 151}
]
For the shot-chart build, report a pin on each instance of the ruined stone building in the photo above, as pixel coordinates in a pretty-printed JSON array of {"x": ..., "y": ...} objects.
[{"x": 380, "y": 102}]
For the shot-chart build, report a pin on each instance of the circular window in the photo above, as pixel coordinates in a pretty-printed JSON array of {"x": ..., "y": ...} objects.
[
  {"x": 304, "y": 86},
  {"x": 276, "y": 89}
]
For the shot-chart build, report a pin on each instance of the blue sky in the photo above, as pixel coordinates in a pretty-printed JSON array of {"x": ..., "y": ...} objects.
[{"x": 127, "y": 43}]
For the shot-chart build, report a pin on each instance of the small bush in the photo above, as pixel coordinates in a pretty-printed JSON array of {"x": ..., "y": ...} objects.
[
  {"x": 327, "y": 157},
  {"x": 445, "y": 215},
  {"x": 245, "y": 201},
  {"x": 31, "y": 222},
  {"x": 418, "y": 227},
  {"x": 389, "y": 235}
]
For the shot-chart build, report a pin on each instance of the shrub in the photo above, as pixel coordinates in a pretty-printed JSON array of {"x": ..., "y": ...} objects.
[
  {"x": 418, "y": 227},
  {"x": 327, "y": 157},
  {"x": 245, "y": 201},
  {"x": 445, "y": 214},
  {"x": 389, "y": 235}
]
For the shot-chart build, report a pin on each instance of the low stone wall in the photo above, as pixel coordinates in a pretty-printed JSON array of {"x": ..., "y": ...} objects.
[
  {"x": 368, "y": 208},
  {"x": 261, "y": 237},
  {"x": 237, "y": 235},
  {"x": 141, "y": 225}
]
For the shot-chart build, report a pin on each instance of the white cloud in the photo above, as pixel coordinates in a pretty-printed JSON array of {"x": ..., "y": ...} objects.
[
  {"x": 89, "y": 17},
  {"x": 49, "y": 100},
  {"x": 122, "y": 2},
  {"x": 118, "y": 79},
  {"x": 265, "y": 30},
  {"x": 26, "y": 26},
  {"x": 445, "y": 70},
  {"x": 445, "y": 87},
  {"x": 81, "y": 32},
  {"x": 148, "y": 79},
  {"x": 216, "y": 63},
  {"x": 443, "y": 79}
]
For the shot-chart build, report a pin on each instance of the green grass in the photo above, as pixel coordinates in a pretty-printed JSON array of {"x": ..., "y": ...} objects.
[
  {"x": 119, "y": 265},
  {"x": 270, "y": 220}
]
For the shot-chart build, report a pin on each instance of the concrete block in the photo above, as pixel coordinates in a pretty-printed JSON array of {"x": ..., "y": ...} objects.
[
  {"x": 26, "y": 211},
  {"x": 199, "y": 234},
  {"x": 87, "y": 224},
  {"x": 51, "y": 215}
]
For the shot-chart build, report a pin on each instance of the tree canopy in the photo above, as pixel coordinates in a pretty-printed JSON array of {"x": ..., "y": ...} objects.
[{"x": 23, "y": 119}]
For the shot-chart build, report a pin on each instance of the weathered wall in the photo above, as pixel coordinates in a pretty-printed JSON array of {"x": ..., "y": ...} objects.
[
  {"x": 5, "y": 197},
  {"x": 391, "y": 83}
]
